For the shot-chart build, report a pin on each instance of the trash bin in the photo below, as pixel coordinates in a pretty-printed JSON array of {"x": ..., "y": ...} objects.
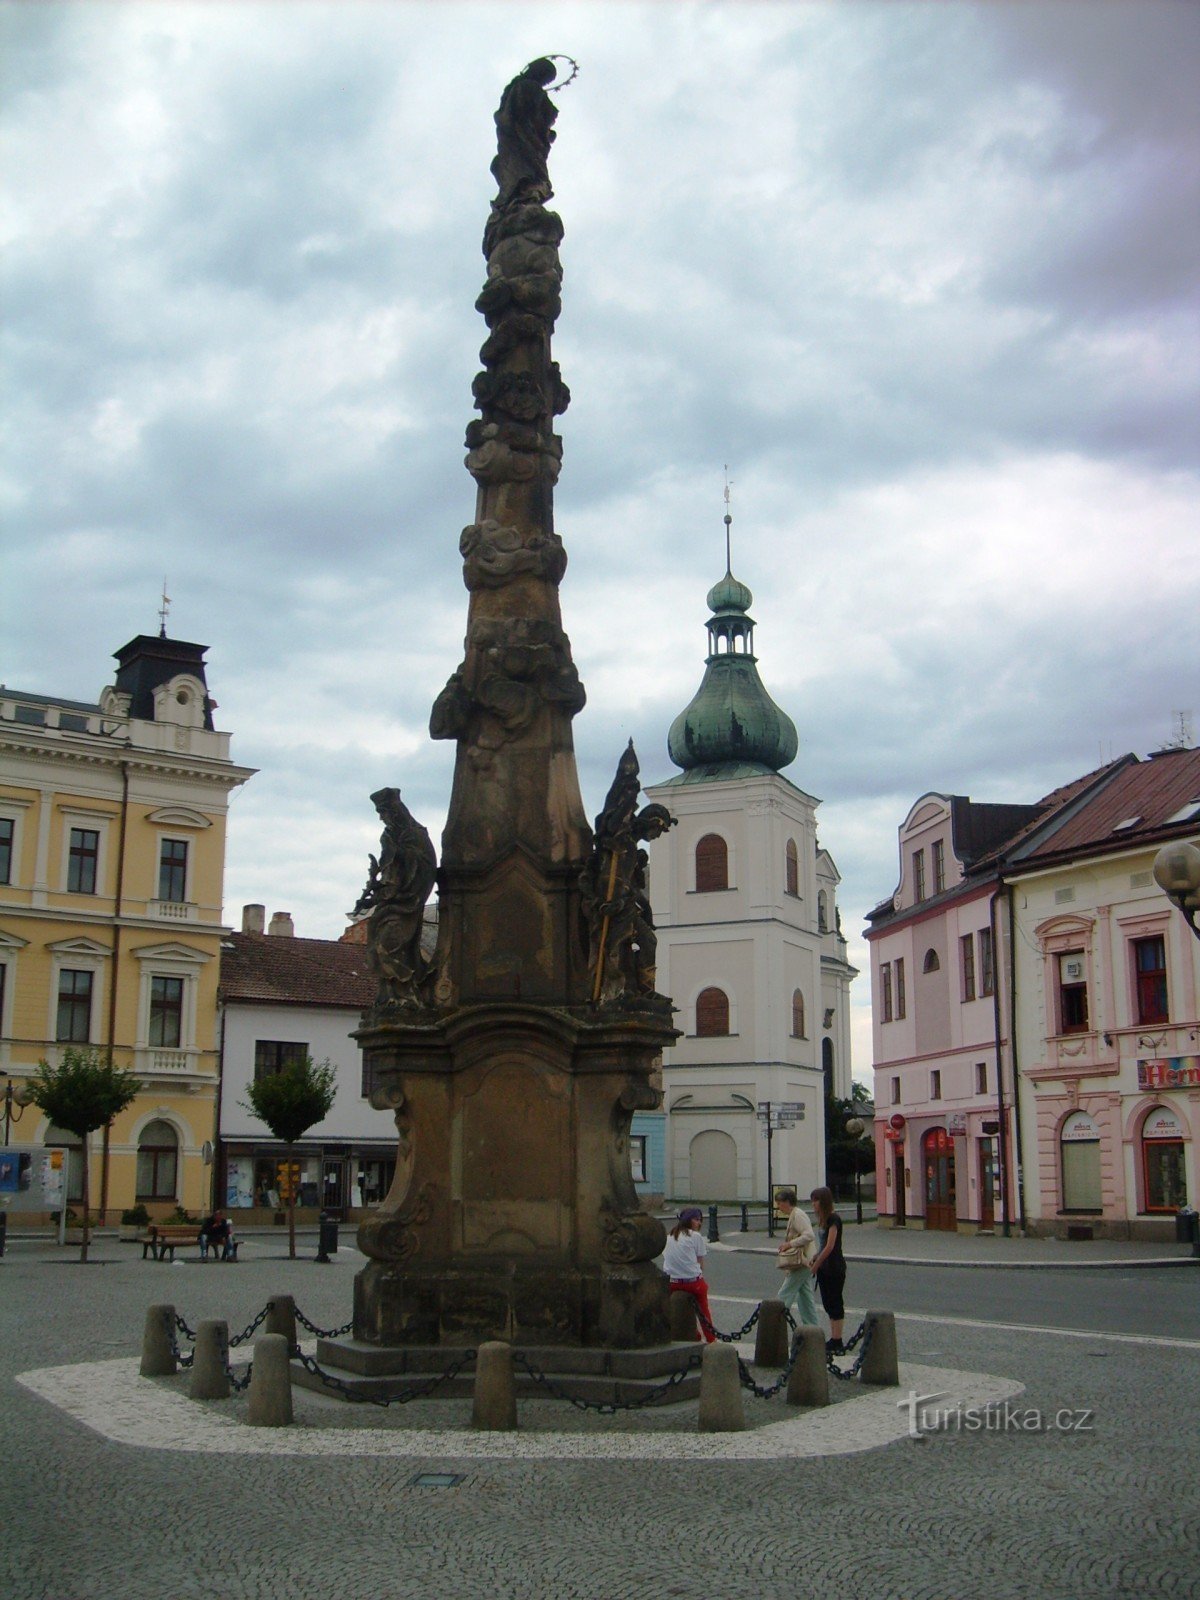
[
  {"x": 1187, "y": 1225},
  {"x": 328, "y": 1236}
]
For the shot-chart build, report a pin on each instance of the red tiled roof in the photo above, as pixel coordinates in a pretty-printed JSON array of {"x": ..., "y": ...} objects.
[
  {"x": 308, "y": 972},
  {"x": 1145, "y": 795}
]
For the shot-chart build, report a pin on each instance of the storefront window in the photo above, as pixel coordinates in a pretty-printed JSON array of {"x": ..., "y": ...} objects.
[
  {"x": 1080, "y": 1147},
  {"x": 1162, "y": 1161},
  {"x": 374, "y": 1181}
]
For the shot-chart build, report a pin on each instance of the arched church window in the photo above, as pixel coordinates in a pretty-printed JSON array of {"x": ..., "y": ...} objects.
[
  {"x": 931, "y": 963},
  {"x": 712, "y": 864},
  {"x": 797, "y": 1015},
  {"x": 712, "y": 1014},
  {"x": 791, "y": 861}
]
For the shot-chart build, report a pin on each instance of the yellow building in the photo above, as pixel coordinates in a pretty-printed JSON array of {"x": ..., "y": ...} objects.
[{"x": 112, "y": 859}]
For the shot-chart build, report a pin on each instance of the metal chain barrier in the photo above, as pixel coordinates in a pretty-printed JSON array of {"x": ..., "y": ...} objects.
[
  {"x": 863, "y": 1335},
  {"x": 768, "y": 1392},
  {"x": 605, "y": 1408},
  {"x": 732, "y": 1338},
  {"x": 181, "y": 1326},
  {"x": 253, "y": 1326},
  {"x": 188, "y": 1333},
  {"x": 416, "y": 1391},
  {"x": 323, "y": 1333}
]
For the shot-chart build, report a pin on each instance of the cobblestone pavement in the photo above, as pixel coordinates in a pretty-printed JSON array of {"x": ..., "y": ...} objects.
[{"x": 1036, "y": 1515}]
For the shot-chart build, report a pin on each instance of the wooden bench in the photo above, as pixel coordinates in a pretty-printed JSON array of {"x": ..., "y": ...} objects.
[{"x": 159, "y": 1241}]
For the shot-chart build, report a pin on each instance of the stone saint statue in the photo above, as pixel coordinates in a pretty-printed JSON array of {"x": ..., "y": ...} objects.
[
  {"x": 399, "y": 884},
  {"x": 622, "y": 943},
  {"x": 525, "y": 132}
]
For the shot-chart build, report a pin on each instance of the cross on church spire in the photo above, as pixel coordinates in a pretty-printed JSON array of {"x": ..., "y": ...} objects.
[{"x": 162, "y": 612}]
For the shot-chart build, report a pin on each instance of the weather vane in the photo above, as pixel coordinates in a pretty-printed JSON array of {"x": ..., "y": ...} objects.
[
  {"x": 162, "y": 612},
  {"x": 728, "y": 521}
]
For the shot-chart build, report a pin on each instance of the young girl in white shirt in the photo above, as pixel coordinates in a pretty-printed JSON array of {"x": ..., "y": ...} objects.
[{"x": 682, "y": 1260}]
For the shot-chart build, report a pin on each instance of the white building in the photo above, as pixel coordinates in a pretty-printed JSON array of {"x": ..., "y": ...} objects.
[{"x": 749, "y": 943}]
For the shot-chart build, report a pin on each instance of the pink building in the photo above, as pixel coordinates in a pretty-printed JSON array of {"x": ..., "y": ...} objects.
[{"x": 1035, "y": 1011}]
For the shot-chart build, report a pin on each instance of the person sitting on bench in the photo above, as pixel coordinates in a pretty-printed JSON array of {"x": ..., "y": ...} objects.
[{"x": 215, "y": 1230}]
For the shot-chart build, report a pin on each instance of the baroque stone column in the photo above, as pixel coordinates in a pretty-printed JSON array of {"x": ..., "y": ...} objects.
[{"x": 515, "y": 1057}]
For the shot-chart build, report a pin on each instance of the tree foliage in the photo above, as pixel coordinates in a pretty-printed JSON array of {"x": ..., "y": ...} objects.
[
  {"x": 846, "y": 1153},
  {"x": 291, "y": 1100},
  {"x": 84, "y": 1092}
]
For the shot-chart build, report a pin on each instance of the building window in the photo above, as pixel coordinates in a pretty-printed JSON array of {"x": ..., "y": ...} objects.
[
  {"x": 1150, "y": 972},
  {"x": 82, "y": 859},
  {"x": 822, "y": 912},
  {"x": 900, "y": 988},
  {"x": 987, "y": 969},
  {"x": 797, "y": 1015},
  {"x": 885, "y": 990},
  {"x": 166, "y": 1012},
  {"x": 1079, "y": 1147},
  {"x": 712, "y": 864},
  {"x": 712, "y": 1013},
  {"x": 918, "y": 862},
  {"x": 8, "y": 829},
  {"x": 74, "y": 1007},
  {"x": 791, "y": 866},
  {"x": 157, "y": 1161},
  {"x": 966, "y": 946},
  {"x": 938, "y": 852},
  {"x": 637, "y": 1157},
  {"x": 981, "y": 1077},
  {"x": 895, "y": 1091},
  {"x": 272, "y": 1055},
  {"x": 935, "y": 1084},
  {"x": 1072, "y": 993},
  {"x": 931, "y": 962},
  {"x": 172, "y": 870}
]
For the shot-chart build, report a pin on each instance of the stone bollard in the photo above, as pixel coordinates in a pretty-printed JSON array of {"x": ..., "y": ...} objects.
[
  {"x": 720, "y": 1391},
  {"x": 210, "y": 1380},
  {"x": 270, "y": 1390},
  {"x": 282, "y": 1319},
  {"x": 881, "y": 1364},
  {"x": 809, "y": 1382},
  {"x": 771, "y": 1335},
  {"x": 681, "y": 1317},
  {"x": 495, "y": 1406},
  {"x": 158, "y": 1349}
]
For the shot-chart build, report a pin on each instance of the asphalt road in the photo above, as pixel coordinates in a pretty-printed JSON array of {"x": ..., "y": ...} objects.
[{"x": 1160, "y": 1302}]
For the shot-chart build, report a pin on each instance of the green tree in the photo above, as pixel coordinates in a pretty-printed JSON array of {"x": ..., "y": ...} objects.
[
  {"x": 289, "y": 1102},
  {"x": 846, "y": 1154},
  {"x": 84, "y": 1092}
]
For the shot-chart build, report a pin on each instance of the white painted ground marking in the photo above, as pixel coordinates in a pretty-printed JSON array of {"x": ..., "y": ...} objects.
[
  {"x": 1010, "y": 1327},
  {"x": 114, "y": 1401}
]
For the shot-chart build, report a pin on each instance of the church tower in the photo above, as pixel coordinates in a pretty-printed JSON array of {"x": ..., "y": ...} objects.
[{"x": 749, "y": 941}]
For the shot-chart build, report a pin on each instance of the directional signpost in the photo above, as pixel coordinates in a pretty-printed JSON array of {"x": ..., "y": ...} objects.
[{"x": 772, "y": 1118}]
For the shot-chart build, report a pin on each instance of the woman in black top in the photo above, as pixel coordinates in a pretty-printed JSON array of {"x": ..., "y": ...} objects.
[{"x": 830, "y": 1266}]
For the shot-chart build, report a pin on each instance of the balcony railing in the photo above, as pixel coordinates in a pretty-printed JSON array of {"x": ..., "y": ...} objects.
[{"x": 172, "y": 910}]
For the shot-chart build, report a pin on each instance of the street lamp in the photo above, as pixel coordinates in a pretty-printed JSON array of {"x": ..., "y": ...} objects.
[
  {"x": 1177, "y": 873},
  {"x": 20, "y": 1097},
  {"x": 856, "y": 1127}
]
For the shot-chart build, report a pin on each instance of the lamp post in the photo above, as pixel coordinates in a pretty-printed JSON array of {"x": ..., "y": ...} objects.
[
  {"x": 856, "y": 1127},
  {"x": 19, "y": 1096},
  {"x": 1177, "y": 873}
]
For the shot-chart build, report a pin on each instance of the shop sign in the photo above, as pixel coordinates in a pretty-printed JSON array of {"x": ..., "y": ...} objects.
[
  {"x": 991, "y": 1127},
  {"x": 1079, "y": 1127},
  {"x": 1162, "y": 1125},
  {"x": 956, "y": 1123},
  {"x": 1169, "y": 1072},
  {"x": 896, "y": 1120}
]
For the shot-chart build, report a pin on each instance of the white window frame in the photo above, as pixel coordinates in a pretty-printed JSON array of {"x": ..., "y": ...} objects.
[
  {"x": 13, "y": 810},
  {"x": 97, "y": 822},
  {"x": 10, "y": 950},
  {"x": 76, "y": 955},
  {"x": 169, "y": 961}
]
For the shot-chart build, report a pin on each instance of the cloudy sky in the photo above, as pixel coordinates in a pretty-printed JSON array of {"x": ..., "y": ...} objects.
[{"x": 922, "y": 274}]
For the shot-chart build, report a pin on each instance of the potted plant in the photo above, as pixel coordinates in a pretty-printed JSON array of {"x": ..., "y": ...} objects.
[{"x": 133, "y": 1221}]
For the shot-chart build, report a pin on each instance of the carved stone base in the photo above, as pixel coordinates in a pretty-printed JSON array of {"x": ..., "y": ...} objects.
[{"x": 522, "y": 1302}]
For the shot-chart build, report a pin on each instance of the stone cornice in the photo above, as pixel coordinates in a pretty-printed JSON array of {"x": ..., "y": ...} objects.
[{"x": 177, "y": 764}]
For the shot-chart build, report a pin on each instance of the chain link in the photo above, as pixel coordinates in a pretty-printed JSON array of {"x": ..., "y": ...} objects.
[
  {"x": 863, "y": 1334},
  {"x": 323, "y": 1333},
  {"x": 605, "y": 1408},
  {"x": 770, "y": 1391},
  {"x": 180, "y": 1360},
  {"x": 416, "y": 1391},
  {"x": 730, "y": 1338},
  {"x": 255, "y": 1325}
]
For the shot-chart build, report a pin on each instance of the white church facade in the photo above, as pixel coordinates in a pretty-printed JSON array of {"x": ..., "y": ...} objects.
[{"x": 749, "y": 942}]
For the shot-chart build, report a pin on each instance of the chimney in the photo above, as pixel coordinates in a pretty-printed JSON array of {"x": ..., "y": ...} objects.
[
  {"x": 282, "y": 926},
  {"x": 253, "y": 919}
]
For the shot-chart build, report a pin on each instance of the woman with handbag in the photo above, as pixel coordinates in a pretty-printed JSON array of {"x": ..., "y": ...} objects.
[{"x": 795, "y": 1257}]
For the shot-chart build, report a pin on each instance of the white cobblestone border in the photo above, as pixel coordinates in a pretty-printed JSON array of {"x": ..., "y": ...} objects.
[{"x": 112, "y": 1399}]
